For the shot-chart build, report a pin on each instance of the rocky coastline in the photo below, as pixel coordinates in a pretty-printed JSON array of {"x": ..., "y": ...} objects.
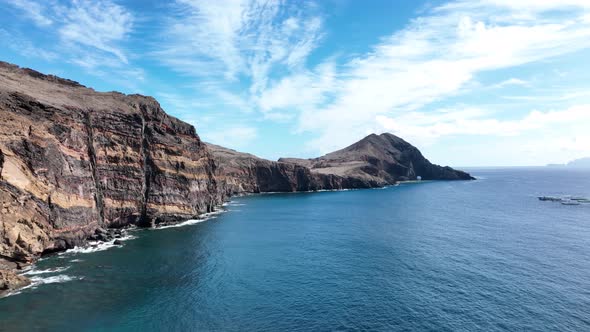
[{"x": 78, "y": 165}]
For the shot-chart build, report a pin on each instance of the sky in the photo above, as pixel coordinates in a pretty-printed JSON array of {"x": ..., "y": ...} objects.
[{"x": 469, "y": 82}]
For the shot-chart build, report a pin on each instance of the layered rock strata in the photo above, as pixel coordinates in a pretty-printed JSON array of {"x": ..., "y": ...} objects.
[{"x": 73, "y": 160}]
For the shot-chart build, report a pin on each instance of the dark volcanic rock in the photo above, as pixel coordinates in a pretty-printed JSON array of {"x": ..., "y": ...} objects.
[{"x": 74, "y": 160}]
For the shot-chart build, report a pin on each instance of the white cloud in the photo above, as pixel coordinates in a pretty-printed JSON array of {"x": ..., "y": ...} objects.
[
  {"x": 553, "y": 96},
  {"x": 512, "y": 82},
  {"x": 426, "y": 128},
  {"x": 85, "y": 33},
  {"x": 85, "y": 27},
  {"x": 533, "y": 6},
  {"x": 472, "y": 136},
  {"x": 303, "y": 90},
  {"x": 33, "y": 10}
]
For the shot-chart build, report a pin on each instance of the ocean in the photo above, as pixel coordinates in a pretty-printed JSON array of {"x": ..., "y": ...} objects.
[{"x": 483, "y": 255}]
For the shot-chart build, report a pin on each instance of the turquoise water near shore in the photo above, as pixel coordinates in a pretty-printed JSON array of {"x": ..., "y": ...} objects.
[{"x": 445, "y": 256}]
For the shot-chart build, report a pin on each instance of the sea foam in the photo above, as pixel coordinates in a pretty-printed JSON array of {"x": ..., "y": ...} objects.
[
  {"x": 94, "y": 246},
  {"x": 53, "y": 270},
  {"x": 204, "y": 217}
]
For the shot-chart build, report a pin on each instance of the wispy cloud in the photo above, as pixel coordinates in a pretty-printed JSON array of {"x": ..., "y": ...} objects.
[
  {"x": 96, "y": 24},
  {"x": 239, "y": 41},
  {"x": 473, "y": 121},
  {"x": 33, "y": 10},
  {"x": 89, "y": 34},
  {"x": 25, "y": 47},
  {"x": 511, "y": 82}
]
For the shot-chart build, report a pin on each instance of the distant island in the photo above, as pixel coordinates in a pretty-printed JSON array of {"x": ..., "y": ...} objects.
[{"x": 577, "y": 163}]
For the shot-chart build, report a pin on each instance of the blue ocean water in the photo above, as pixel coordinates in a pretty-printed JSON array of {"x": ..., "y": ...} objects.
[{"x": 445, "y": 256}]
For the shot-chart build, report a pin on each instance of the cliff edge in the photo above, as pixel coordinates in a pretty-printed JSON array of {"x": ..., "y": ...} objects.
[{"x": 73, "y": 161}]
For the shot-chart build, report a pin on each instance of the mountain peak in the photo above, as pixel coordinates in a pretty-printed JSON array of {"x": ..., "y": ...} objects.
[{"x": 380, "y": 159}]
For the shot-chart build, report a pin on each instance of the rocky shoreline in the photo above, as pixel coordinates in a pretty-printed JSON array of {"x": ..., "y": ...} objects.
[
  {"x": 11, "y": 273},
  {"x": 77, "y": 165}
]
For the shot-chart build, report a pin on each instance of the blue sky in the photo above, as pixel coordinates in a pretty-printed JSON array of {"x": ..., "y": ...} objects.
[{"x": 470, "y": 82}]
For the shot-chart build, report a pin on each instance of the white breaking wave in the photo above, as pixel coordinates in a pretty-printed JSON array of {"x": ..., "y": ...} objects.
[
  {"x": 181, "y": 224},
  {"x": 94, "y": 246},
  {"x": 321, "y": 191},
  {"x": 36, "y": 281},
  {"x": 54, "y": 270},
  {"x": 204, "y": 217}
]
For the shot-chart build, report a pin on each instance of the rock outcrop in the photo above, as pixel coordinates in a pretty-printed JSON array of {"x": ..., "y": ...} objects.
[
  {"x": 73, "y": 160},
  {"x": 10, "y": 281}
]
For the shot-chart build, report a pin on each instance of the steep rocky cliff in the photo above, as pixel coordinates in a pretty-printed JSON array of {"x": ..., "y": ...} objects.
[
  {"x": 374, "y": 161},
  {"x": 239, "y": 173},
  {"x": 73, "y": 160}
]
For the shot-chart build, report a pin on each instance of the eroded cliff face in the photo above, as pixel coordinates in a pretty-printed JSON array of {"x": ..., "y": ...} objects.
[
  {"x": 73, "y": 160},
  {"x": 241, "y": 173},
  {"x": 374, "y": 161}
]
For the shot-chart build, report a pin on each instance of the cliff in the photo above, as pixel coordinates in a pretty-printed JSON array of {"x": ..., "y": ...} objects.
[
  {"x": 239, "y": 173},
  {"x": 74, "y": 161},
  {"x": 374, "y": 161}
]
